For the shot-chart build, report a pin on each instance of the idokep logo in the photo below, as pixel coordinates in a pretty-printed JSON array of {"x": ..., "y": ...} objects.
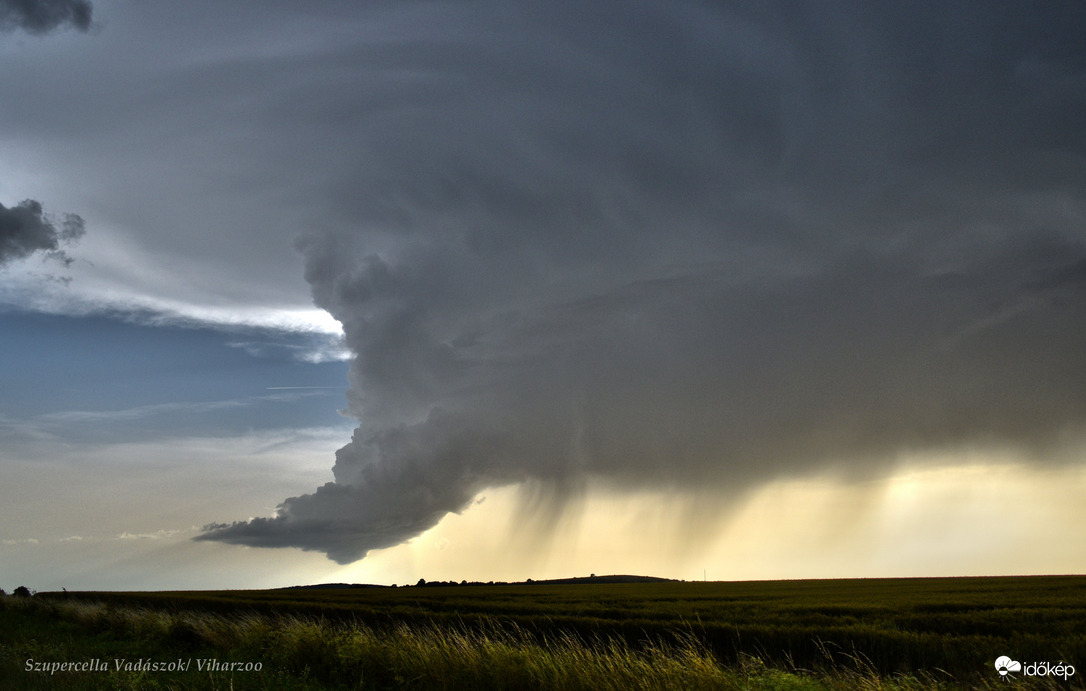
[{"x": 1005, "y": 666}]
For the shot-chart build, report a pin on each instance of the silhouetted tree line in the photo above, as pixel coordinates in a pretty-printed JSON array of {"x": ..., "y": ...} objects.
[
  {"x": 423, "y": 583},
  {"x": 554, "y": 581}
]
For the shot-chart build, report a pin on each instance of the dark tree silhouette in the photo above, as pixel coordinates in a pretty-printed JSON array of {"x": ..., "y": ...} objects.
[{"x": 21, "y": 591}]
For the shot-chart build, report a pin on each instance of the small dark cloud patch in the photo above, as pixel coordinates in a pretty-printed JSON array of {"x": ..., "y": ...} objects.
[
  {"x": 25, "y": 229},
  {"x": 42, "y": 16}
]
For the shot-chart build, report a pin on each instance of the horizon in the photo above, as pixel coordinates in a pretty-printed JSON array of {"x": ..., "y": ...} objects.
[
  {"x": 373, "y": 293},
  {"x": 572, "y": 580}
]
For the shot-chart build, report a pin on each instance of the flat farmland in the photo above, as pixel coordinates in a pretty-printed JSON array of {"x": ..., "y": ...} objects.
[{"x": 954, "y": 627}]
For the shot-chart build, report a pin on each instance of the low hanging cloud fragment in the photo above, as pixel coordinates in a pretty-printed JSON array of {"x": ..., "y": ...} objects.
[
  {"x": 25, "y": 229},
  {"x": 42, "y": 16},
  {"x": 695, "y": 246}
]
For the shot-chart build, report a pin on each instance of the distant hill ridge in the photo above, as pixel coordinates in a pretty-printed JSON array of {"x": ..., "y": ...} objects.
[
  {"x": 593, "y": 579},
  {"x": 618, "y": 578}
]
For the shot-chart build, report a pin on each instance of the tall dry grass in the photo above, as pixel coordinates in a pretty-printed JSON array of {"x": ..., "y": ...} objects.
[{"x": 456, "y": 657}]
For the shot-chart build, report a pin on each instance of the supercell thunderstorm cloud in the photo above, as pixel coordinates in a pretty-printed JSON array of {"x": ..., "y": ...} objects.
[{"x": 670, "y": 244}]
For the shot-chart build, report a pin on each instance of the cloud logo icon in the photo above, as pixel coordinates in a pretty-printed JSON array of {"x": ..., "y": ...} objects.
[{"x": 1004, "y": 665}]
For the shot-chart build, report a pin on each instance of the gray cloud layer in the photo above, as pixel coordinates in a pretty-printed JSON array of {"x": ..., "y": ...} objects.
[
  {"x": 691, "y": 244},
  {"x": 25, "y": 229},
  {"x": 43, "y": 16}
]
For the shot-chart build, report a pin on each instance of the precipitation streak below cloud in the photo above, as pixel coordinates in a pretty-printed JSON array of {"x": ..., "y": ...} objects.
[{"x": 693, "y": 244}]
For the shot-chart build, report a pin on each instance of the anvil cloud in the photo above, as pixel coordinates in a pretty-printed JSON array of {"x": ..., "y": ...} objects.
[{"x": 685, "y": 245}]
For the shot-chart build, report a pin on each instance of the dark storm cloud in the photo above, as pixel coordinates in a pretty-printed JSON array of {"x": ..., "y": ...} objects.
[
  {"x": 43, "y": 16},
  {"x": 25, "y": 229},
  {"x": 692, "y": 244}
]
